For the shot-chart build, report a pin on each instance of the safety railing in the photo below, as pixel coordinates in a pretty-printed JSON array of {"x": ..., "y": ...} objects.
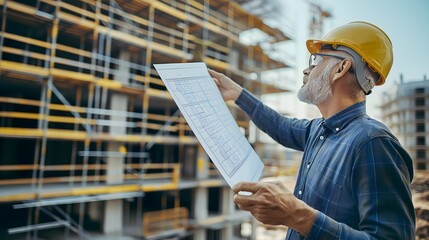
[
  {"x": 96, "y": 173},
  {"x": 60, "y": 113}
]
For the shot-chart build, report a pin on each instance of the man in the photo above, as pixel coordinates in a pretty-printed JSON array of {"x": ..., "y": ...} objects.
[{"x": 354, "y": 179}]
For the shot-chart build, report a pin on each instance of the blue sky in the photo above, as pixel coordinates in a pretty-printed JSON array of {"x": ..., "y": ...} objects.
[{"x": 405, "y": 21}]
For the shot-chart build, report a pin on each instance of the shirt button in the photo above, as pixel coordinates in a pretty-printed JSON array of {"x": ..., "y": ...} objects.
[
  {"x": 322, "y": 137},
  {"x": 300, "y": 192},
  {"x": 308, "y": 165},
  {"x": 337, "y": 129}
]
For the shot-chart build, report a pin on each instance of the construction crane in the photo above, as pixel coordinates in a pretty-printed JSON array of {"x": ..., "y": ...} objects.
[{"x": 318, "y": 17}]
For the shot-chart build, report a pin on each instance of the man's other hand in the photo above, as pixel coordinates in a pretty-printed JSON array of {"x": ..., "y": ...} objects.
[{"x": 274, "y": 204}]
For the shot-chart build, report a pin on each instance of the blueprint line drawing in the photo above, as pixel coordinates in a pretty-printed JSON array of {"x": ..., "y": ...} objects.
[
  {"x": 201, "y": 103},
  {"x": 202, "y": 111}
]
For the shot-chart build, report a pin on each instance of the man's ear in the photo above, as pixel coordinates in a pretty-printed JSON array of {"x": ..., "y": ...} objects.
[{"x": 343, "y": 68}]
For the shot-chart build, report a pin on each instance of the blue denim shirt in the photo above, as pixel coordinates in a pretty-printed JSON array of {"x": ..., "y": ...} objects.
[{"x": 354, "y": 172}]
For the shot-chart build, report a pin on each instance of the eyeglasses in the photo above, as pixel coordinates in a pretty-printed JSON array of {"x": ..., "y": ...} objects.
[{"x": 317, "y": 58}]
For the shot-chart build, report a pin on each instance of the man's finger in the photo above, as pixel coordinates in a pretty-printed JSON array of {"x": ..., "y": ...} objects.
[
  {"x": 246, "y": 207},
  {"x": 244, "y": 200},
  {"x": 246, "y": 187},
  {"x": 216, "y": 81},
  {"x": 214, "y": 73}
]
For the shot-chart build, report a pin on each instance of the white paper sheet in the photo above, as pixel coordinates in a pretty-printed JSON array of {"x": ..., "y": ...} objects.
[{"x": 202, "y": 105}]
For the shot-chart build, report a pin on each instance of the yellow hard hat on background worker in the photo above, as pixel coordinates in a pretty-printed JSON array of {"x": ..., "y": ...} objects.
[{"x": 367, "y": 42}]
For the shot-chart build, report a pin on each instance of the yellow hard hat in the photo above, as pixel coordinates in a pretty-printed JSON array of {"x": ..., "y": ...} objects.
[{"x": 367, "y": 40}]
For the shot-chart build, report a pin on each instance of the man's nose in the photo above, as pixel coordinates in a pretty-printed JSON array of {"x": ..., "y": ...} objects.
[{"x": 306, "y": 71}]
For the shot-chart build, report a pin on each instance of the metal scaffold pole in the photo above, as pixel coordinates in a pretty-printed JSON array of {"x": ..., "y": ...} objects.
[{"x": 45, "y": 122}]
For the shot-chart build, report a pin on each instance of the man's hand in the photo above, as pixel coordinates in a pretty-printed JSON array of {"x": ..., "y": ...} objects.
[
  {"x": 272, "y": 203},
  {"x": 229, "y": 89}
]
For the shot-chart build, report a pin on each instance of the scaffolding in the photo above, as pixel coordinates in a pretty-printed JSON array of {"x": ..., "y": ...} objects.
[{"x": 90, "y": 140}]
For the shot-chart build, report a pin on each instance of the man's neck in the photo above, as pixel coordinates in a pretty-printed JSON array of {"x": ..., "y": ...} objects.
[{"x": 334, "y": 105}]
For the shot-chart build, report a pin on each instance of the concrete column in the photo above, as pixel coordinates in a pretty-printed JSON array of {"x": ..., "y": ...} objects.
[
  {"x": 113, "y": 210},
  {"x": 200, "y": 199},
  {"x": 200, "y": 211},
  {"x": 254, "y": 226},
  {"x": 112, "y": 223},
  {"x": 234, "y": 58},
  {"x": 228, "y": 205},
  {"x": 228, "y": 209}
]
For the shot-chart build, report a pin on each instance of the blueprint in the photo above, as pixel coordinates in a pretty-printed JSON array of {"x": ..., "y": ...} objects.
[{"x": 202, "y": 105}]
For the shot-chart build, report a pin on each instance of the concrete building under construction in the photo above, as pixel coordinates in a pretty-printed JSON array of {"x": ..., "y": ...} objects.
[
  {"x": 405, "y": 109},
  {"x": 91, "y": 143}
]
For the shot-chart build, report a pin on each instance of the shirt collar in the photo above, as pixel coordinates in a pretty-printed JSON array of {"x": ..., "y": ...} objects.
[{"x": 337, "y": 122}]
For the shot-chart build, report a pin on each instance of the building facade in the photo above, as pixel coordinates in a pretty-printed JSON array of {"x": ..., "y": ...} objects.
[{"x": 405, "y": 110}]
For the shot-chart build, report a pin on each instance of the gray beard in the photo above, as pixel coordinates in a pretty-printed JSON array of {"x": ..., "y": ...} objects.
[{"x": 317, "y": 90}]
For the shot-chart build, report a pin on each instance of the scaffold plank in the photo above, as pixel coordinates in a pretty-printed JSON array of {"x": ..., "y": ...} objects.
[
  {"x": 24, "y": 68},
  {"x": 62, "y": 134}
]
